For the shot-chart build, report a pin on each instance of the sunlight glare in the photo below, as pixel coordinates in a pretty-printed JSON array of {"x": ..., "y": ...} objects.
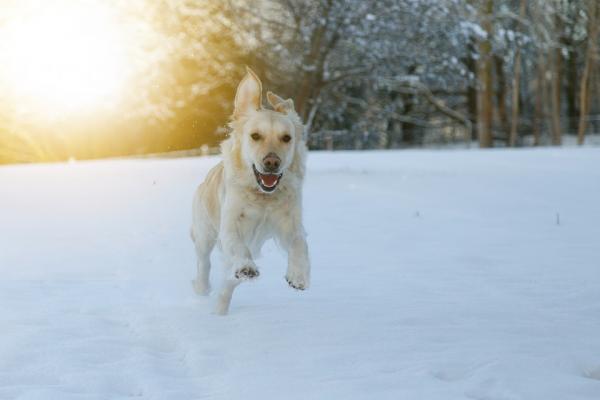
[{"x": 63, "y": 56}]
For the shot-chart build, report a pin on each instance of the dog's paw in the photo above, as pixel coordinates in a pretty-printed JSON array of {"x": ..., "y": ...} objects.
[
  {"x": 297, "y": 282},
  {"x": 246, "y": 273}
]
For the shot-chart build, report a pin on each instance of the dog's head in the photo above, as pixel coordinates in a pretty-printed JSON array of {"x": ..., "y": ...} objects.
[{"x": 267, "y": 138}]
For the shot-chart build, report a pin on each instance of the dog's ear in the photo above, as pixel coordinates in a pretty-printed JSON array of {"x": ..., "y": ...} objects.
[
  {"x": 279, "y": 104},
  {"x": 249, "y": 94}
]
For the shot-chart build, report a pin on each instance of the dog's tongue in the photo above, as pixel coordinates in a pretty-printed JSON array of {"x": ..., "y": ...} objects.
[{"x": 269, "y": 180}]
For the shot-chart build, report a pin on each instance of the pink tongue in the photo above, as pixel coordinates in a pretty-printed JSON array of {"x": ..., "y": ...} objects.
[{"x": 269, "y": 180}]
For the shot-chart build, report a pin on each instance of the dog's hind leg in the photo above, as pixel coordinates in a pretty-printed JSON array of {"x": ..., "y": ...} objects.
[{"x": 204, "y": 241}]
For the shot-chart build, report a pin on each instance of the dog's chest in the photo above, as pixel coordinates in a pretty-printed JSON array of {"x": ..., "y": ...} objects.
[{"x": 262, "y": 220}]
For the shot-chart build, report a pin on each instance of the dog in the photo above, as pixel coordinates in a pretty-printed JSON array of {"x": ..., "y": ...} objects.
[{"x": 253, "y": 194}]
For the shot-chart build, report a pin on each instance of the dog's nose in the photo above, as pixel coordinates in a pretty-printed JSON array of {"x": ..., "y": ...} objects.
[{"x": 271, "y": 162}]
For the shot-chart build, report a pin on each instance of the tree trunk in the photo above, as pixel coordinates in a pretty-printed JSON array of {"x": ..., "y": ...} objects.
[
  {"x": 312, "y": 81},
  {"x": 589, "y": 65},
  {"x": 484, "y": 75},
  {"x": 471, "y": 65},
  {"x": 571, "y": 88},
  {"x": 540, "y": 96},
  {"x": 512, "y": 141},
  {"x": 408, "y": 128},
  {"x": 501, "y": 96},
  {"x": 556, "y": 89}
]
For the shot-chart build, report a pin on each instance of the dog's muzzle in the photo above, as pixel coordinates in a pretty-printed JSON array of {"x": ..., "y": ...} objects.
[{"x": 266, "y": 182}]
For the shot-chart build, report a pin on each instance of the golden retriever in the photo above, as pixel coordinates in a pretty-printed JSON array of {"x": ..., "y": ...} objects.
[{"x": 253, "y": 194}]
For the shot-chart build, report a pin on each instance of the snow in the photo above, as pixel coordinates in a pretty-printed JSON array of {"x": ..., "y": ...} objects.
[{"x": 436, "y": 275}]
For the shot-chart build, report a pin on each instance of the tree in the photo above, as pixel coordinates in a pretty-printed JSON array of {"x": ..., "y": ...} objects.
[
  {"x": 512, "y": 141},
  {"x": 485, "y": 78},
  {"x": 590, "y": 61}
]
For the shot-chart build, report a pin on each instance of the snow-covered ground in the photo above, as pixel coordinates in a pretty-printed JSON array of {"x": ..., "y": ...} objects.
[{"x": 436, "y": 275}]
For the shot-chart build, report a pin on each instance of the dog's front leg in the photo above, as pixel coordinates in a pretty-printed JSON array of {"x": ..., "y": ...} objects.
[
  {"x": 298, "y": 271},
  {"x": 238, "y": 259},
  {"x": 224, "y": 296},
  {"x": 294, "y": 239},
  {"x": 237, "y": 255}
]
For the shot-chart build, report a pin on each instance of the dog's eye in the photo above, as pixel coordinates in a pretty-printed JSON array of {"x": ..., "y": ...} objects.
[
  {"x": 255, "y": 136},
  {"x": 286, "y": 138}
]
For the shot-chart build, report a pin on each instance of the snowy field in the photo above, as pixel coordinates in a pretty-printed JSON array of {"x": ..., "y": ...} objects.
[{"x": 436, "y": 275}]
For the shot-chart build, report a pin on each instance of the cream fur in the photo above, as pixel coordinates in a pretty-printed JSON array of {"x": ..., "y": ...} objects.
[{"x": 229, "y": 207}]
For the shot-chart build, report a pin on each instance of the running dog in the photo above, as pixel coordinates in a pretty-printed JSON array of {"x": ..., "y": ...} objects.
[{"x": 253, "y": 194}]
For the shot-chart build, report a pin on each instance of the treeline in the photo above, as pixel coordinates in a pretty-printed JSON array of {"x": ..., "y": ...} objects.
[
  {"x": 407, "y": 73},
  {"x": 362, "y": 73}
]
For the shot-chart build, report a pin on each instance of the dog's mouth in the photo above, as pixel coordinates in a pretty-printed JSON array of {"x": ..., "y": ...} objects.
[{"x": 267, "y": 182}]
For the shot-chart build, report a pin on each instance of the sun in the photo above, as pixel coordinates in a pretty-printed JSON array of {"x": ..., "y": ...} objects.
[{"x": 60, "y": 57}]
